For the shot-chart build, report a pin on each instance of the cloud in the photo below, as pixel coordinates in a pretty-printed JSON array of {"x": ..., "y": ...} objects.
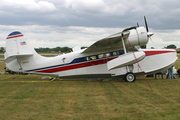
[
  {"x": 53, "y": 36},
  {"x": 91, "y": 13},
  {"x": 81, "y": 22},
  {"x": 30, "y": 5},
  {"x": 85, "y": 5},
  {"x": 162, "y": 38},
  {"x": 95, "y": 7}
]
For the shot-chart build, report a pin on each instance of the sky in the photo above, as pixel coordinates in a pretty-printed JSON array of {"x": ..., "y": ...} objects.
[{"x": 52, "y": 23}]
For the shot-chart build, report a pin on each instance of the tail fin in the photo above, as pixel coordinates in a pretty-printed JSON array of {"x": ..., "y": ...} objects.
[
  {"x": 17, "y": 46},
  {"x": 19, "y": 54}
]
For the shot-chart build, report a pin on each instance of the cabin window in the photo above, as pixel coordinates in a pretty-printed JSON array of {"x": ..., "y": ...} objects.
[
  {"x": 92, "y": 57},
  {"x": 104, "y": 55},
  {"x": 111, "y": 54},
  {"x": 121, "y": 52},
  {"x": 114, "y": 53},
  {"x": 108, "y": 54},
  {"x": 118, "y": 53},
  {"x": 100, "y": 56},
  {"x": 88, "y": 58},
  {"x": 81, "y": 59}
]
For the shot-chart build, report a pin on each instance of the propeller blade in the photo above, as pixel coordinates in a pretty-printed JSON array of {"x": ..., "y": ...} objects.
[
  {"x": 151, "y": 40},
  {"x": 146, "y": 24},
  {"x": 137, "y": 24}
]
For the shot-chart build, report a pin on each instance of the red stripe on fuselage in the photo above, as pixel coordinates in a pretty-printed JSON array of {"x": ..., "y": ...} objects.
[
  {"x": 92, "y": 63},
  {"x": 75, "y": 66},
  {"x": 14, "y": 36},
  {"x": 149, "y": 53}
]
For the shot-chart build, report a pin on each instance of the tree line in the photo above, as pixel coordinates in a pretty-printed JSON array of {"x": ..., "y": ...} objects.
[
  {"x": 57, "y": 49},
  {"x": 68, "y": 49}
]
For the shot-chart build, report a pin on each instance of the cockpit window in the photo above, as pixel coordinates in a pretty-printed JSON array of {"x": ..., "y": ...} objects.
[{"x": 121, "y": 52}]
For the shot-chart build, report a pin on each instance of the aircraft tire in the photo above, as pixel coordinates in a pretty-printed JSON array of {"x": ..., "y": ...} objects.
[{"x": 130, "y": 77}]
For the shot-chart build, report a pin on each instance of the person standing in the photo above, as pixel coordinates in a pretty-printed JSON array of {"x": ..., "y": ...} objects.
[
  {"x": 170, "y": 73},
  {"x": 174, "y": 72}
]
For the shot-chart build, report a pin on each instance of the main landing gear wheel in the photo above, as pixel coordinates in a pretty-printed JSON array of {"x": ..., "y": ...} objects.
[{"x": 130, "y": 77}]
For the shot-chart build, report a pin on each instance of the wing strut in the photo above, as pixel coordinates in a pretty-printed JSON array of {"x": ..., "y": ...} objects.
[
  {"x": 139, "y": 65},
  {"x": 124, "y": 47}
]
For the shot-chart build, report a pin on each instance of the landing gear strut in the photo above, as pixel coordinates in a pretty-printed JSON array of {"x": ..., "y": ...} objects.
[{"x": 130, "y": 77}]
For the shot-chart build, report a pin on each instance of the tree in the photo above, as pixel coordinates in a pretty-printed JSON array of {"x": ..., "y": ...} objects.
[
  {"x": 83, "y": 47},
  {"x": 2, "y": 49},
  {"x": 66, "y": 49},
  {"x": 143, "y": 46},
  {"x": 171, "y": 46},
  {"x": 57, "y": 49},
  {"x": 152, "y": 47}
]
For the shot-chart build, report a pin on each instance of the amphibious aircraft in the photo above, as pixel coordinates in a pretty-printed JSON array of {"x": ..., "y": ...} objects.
[{"x": 110, "y": 57}]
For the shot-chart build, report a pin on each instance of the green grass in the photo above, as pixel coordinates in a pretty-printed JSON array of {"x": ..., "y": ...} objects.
[
  {"x": 48, "y": 55},
  {"x": 178, "y": 56},
  {"x": 2, "y": 66},
  {"x": 23, "y": 98},
  {"x": 177, "y": 64},
  {"x": 1, "y": 56},
  {"x": 29, "y": 97}
]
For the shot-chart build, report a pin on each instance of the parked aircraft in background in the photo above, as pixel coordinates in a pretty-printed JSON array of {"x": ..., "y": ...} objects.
[{"x": 110, "y": 57}]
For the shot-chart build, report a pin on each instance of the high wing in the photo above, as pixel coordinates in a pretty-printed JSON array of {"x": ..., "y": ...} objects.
[{"x": 110, "y": 43}]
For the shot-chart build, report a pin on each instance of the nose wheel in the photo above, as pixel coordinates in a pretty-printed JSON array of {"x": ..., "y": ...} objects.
[{"x": 130, "y": 77}]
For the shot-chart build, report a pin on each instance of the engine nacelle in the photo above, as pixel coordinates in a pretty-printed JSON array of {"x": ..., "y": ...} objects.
[{"x": 137, "y": 37}]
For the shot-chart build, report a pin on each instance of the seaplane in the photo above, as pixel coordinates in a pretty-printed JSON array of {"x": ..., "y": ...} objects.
[{"x": 116, "y": 56}]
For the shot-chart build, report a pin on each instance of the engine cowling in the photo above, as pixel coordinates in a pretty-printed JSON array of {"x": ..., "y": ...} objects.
[{"x": 137, "y": 37}]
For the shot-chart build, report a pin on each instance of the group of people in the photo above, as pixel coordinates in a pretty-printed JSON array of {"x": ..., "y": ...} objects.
[{"x": 171, "y": 74}]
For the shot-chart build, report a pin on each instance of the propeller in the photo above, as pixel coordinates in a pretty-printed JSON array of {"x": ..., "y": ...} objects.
[
  {"x": 151, "y": 40},
  {"x": 146, "y": 24},
  {"x": 137, "y": 24},
  {"x": 149, "y": 34}
]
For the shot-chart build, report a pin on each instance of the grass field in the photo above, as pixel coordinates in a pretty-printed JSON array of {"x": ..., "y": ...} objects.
[
  {"x": 30, "y": 98},
  {"x": 1, "y": 56}
]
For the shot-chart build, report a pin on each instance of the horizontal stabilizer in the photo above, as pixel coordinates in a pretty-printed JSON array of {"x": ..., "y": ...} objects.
[
  {"x": 124, "y": 60},
  {"x": 13, "y": 57}
]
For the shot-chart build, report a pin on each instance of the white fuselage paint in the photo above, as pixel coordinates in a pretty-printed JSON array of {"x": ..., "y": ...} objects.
[{"x": 62, "y": 66}]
